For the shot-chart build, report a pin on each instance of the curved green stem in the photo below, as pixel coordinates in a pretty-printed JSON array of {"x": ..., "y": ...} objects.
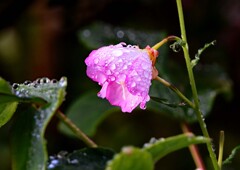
[
  {"x": 193, "y": 85},
  {"x": 165, "y": 40},
  {"x": 221, "y": 144},
  {"x": 173, "y": 88},
  {"x": 76, "y": 130}
]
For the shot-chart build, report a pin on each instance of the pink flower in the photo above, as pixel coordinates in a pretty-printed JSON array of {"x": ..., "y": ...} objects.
[{"x": 124, "y": 72}]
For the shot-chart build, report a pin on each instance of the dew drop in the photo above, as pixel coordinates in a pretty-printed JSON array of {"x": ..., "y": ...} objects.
[
  {"x": 44, "y": 80},
  {"x": 133, "y": 84},
  {"x": 27, "y": 82},
  {"x": 63, "y": 82},
  {"x": 54, "y": 81},
  {"x": 144, "y": 65},
  {"x": 111, "y": 78},
  {"x": 117, "y": 53},
  {"x": 112, "y": 67},
  {"x": 108, "y": 72},
  {"x": 15, "y": 86},
  {"x": 146, "y": 74},
  {"x": 96, "y": 61}
]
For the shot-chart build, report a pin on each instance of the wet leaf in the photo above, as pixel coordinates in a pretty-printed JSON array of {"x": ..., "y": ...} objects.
[
  {"x": 232, "y": 155},
  {"x": 8, "y": 102},
  {"x": 84, "y": 159},
  {"x": 87, "y": 112},
  {"x": 161, "y": 147},
  {"x": 131, "y": 158},
  {"x": 28, "y": 143},
  {"x": 195, "y": 61}
]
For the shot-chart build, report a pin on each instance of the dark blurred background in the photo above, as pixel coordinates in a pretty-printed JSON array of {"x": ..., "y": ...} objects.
[{"x": 40, "y": 38}]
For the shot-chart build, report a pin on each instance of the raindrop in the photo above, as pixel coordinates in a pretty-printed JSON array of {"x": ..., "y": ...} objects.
[
  {"x": 53, "y": 81},
  {"x": 27, "y": 82},
  {"x": 117, "y": 53},
  {"x": 15, "y": 86},
  {"x": 96, "y": 60},
  {"x": 112, "y": 67},
  {"x": 38, "y": 80},
  {"x": 63, "y": 82},
  {"x": 146, "y": 74},
  {"x": 108, "y": 72},
  {"x": 44, "y": 80},
  {"x": 144, "y": 66},
  {"x": 111, "y": 78},
  {"x": 133, "y": 84}
]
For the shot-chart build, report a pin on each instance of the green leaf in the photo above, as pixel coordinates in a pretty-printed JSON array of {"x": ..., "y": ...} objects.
[
  {"x": 231, "y": 156},
  {"x": 6, "y": 112},
  {"x": 200, "y": 51},
  {"x": 84, "y": 159},
  {"x": 28, "y": 143},
  {"x": 87, "y": 112},
  {"x": 162, "y": 147},
  {"x": 131, "y": 158},
  {"x": 8, "y": 102},
  {"x": 4, "y": 87},
  {"x": 101, "y": 34},
  {"x": 165, "y": 102}
]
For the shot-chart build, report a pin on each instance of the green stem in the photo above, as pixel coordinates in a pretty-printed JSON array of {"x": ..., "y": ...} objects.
[
  {"x": 221, "y": 144},
  {"x": 76, "y": 130},
  {"x": 193, "y": 85},
  {"x": 165, "y": 40},
  {"x": 173, "y": 88}
]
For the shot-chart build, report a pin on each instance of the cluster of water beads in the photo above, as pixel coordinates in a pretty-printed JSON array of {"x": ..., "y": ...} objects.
[
  {"x": 61, "y": 159},
  {"x": 41, "y": 87}
]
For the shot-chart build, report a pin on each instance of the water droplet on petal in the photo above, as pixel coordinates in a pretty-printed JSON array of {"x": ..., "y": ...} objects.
[
  {"x": 112, "y": 67},
  {"x": 144, "y": 66},
  {"x": 111, "y": 78},
  {"x": 96, "y": 60},
  {"x": 133, "y": 84},
  {"x": 117, "y": 53},
  {"x": 146, "y": 74}
]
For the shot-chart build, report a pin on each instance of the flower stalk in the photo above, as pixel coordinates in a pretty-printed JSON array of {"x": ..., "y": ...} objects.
[
  {"x": 165, "y": 40},
  {"x": 78, "y": 132},
  {"x": 193, "y": 85}
]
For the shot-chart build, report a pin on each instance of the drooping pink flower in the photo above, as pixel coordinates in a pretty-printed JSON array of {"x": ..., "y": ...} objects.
[{"x": 124, "y": 72}]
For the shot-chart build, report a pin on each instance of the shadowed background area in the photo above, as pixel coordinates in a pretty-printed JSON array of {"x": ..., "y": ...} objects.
[{"x": 52, "y": 38}]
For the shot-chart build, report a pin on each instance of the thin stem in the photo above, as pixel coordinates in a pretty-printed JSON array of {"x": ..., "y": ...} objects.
[
  {"x": 221, "y": 144},
  {"x": 76, "y": 130},
  {"x": 193, "y": 149},
  {"x": 193, "y": 85},
  {"x": 165, "y": 40},
  {"x": 173, "y": 88}
]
